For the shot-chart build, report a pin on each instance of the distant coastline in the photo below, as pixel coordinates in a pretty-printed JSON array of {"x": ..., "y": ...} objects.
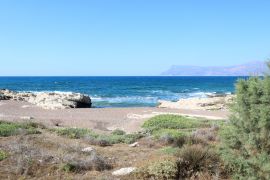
[{"x": 248, "y": 69}]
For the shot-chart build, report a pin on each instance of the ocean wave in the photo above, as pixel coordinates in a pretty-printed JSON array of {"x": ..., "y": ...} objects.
[
  {"x": 39, "y": 92},
  {"x": 126, "y": 99},
  {"x": 147, "y": 97}
]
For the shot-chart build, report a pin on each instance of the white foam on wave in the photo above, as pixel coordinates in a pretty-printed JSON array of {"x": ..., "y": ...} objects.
[
  {"x": 126, "y": 99},
  {"x": 39, "y": 92}
]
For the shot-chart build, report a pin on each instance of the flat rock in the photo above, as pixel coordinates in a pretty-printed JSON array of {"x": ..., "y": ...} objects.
[
  {"x": 88, "y": 150},
  {"x": 134, "y": 144},
  {"x": 49, "y": 100},
  {"x": 123, "y": 171},
  {"x": 208, "y": 103},
  {"x": 26, "y": 117}
]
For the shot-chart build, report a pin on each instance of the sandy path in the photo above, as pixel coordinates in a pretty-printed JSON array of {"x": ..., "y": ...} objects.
[{"x": 104, "y": 119}]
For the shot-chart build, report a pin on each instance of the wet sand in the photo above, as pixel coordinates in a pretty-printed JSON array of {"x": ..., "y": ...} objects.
[{"x": 100, "y": 119}]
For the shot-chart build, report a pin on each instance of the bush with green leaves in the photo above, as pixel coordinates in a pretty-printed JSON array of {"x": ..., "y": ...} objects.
[
  {"x": 74, "y": 133},
  {"x": 246, "y": 140},
  {"x": 163, "y": 168},
  {"x": 197, "y": 158},
  {"x": 171, "y": 122},
  {"x": 169, "y": 150},
  {"x": 98, "y": 139},
  {"x": 173, "y": 126},
  {"x": 12, "y": 128},
  {"x": 118, "y": 132},
  {"x": 3, "y": 155}
]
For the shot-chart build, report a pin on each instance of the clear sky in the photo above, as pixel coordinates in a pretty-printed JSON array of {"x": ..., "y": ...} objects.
[{"x": 129, "y": 37}]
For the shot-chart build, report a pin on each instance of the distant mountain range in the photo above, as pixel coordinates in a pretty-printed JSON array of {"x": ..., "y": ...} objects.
[{"x": 248, "y": 69}]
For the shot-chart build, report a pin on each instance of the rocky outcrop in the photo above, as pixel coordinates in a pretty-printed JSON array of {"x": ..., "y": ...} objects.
[
  {"x": 208, "y": 103},
  {"x": 49, "y": 100}
]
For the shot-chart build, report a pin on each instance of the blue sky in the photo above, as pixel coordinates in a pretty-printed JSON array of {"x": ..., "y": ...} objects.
[{"x": 129, "y": 37}]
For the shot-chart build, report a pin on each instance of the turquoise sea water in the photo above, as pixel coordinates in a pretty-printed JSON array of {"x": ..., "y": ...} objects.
[{"x": 125, "y": 91}]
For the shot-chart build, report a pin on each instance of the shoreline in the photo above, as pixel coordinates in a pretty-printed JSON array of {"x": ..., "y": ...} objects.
[{"x": 128, "y": 119}]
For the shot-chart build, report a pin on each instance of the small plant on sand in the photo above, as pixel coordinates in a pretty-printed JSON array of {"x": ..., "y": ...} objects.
[{"x": 3, "y": 155}]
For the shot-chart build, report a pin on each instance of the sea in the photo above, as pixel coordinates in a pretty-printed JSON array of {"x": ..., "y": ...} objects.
[{"x": 128, "y": 91}]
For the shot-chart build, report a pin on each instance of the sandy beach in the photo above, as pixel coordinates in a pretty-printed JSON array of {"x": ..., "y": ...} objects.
[{"x": 100, "y": 119}]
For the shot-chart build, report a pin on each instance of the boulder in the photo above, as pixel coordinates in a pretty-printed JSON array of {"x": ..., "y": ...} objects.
[
  {"x": 123, "y": 171},
  {"x": 88, "y": 150},
  {"x": 26, "y": 117},
  {"x": 134, "y": 144}
]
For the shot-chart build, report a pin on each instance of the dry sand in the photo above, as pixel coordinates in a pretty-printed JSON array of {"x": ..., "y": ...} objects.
[{"x": 100, "y": 119}]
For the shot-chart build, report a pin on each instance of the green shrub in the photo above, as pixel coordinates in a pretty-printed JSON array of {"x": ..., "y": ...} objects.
[
  {"x": 162, "y": 169},
  {"x": 118, "y": 132},
  {"x": 126, "y": 138},
  {"x": 98, "y": 139},
  {"x": 74, "y": 133},
  {"x": 197, "y": 158},
  {"x": 94, "y": 162},
  {"x": 174, "y": 133},
  {"x": 169, "y": 150},
  {"x": 10, "y": 129},
  {"x": 245, "y": 145},
  {"x": 28, "y": 125},
  {"x": 3, "y": 155},
  {"x": 171, "y": 122},
  {"x": 68, "y": 167},
  {"x": 131, "y": 138}
]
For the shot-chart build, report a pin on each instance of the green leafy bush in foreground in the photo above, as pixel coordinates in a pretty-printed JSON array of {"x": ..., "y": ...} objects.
[
  {"x": 246, "y": 140},
  {"x": 184, "y": 163},
  {"x": 10, "y": 128}
]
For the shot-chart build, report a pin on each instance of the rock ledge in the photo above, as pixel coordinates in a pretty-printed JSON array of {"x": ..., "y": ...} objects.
[{"x": 49, "y": 100}]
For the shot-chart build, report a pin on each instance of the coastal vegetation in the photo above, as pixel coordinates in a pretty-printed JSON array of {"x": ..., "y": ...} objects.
[
  {"x": 115, "y": 137},
  {"x": 35, "y": 150},
  {"x": 3, "y": 155},
  {"x": 246, "y": 145},
  {"x": 168, "y": 146},
  {"x": 9, "y": 129}
]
